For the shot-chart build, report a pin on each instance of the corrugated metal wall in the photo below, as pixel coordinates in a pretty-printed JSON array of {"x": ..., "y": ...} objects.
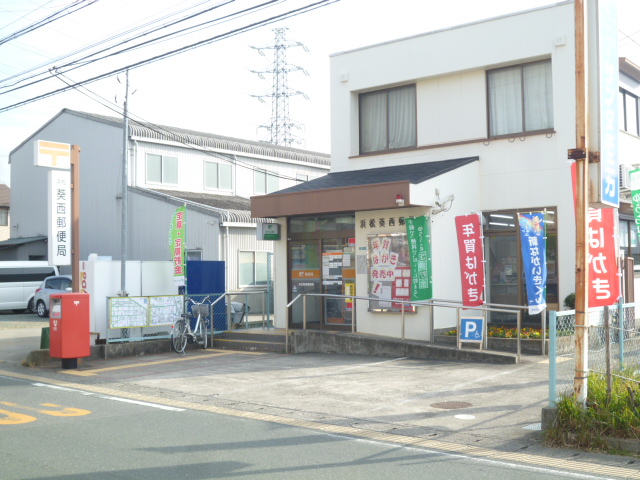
[
  {"x": 149, "y": 223},
  {"x": 100, "y": 160}
]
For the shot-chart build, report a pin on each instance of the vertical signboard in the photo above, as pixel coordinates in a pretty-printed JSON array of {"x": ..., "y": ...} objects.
[
  {"x": 534, "y": 259},
  {"x": 471, "y": 251},
  {"x": 419, "y": 237},
  {"x": 604, "y": 281},
  {"x": 634, "y": 184},
  {"x": 59, "y": 217},
  {"x": 603, "y": 48},
  {"x": 178, "y": 243}
]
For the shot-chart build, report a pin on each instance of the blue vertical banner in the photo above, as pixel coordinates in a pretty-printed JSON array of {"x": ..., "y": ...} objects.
[{"x": 534, "y": 259}]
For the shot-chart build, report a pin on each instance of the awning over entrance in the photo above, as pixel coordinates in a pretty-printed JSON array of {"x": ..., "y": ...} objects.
[{"x": 356, "y": 190}]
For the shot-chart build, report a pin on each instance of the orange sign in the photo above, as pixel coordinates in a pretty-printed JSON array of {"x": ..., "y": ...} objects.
[
  {"x": 52, "y": 154},
  {"x": 302, "y": 274}
]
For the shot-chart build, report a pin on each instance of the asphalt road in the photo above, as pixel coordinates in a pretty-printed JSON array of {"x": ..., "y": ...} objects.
[
  {"x": 263, "y": 415},
  {"x": 57, "y": 433}
]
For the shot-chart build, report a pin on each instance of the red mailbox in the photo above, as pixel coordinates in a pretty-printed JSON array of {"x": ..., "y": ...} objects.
[{"x": 69, "y": 337}]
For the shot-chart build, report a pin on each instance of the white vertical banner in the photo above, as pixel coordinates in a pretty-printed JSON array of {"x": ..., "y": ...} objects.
[
  {"x": 59, "y": 217},
  {"x": 603, "y": 102}
]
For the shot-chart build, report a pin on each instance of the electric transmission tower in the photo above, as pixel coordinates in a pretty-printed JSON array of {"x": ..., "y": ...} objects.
[{"x": 281, "y": 123}]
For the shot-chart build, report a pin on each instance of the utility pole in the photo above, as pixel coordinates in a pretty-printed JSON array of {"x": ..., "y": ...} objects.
[
  {"x": 125, "y": 184},
  {"x": 581, "y": 156},
  {"x": 281, "y": 123}
]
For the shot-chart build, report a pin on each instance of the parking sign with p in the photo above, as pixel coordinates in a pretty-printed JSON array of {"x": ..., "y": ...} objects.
[{"x": 471, "y": 329}]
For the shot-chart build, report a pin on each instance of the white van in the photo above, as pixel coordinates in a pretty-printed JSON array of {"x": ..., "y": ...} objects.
[{"x": 19, "y": 281}]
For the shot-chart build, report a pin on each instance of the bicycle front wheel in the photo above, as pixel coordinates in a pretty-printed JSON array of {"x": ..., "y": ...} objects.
[
  {"x": 202, "y": 332},
  {"x": 179, "y": 336}
]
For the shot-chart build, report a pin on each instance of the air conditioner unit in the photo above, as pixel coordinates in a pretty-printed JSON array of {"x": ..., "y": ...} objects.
[{"x": 625, "y": 180}]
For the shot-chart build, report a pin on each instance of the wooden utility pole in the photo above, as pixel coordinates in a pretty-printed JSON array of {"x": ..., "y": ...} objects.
[
  {"x": 75, "y": 218},
  {"x": 581, "y": 156}
]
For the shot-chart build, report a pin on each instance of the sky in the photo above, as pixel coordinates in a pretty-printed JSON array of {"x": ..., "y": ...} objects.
[{"x": 211, "y": 88}]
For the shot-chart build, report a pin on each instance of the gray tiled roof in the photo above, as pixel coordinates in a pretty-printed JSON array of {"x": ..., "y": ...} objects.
[
  {"x": 204, "y": 139},
  {"x": 21, "y": 241},
  {"x": 414, "y": 173},
  {"x": 224, "y": 202}
]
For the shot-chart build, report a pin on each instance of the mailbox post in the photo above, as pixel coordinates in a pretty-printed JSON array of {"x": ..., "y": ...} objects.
[{"x": 69, "y": 329}]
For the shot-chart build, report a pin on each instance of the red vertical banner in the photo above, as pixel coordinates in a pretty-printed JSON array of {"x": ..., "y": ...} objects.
[
  {"x": 471, "y": 251},
  {"x": 604, "y": 275}
]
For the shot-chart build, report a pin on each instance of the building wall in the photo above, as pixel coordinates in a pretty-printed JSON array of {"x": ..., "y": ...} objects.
[
  {"x": 191, "y": 176},
  {"x": 149, "y": 220},
  {"x": 100, "y": 158},
  {"x": 449, "y": 70}
]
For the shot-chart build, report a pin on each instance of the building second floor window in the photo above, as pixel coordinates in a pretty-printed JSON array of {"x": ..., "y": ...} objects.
[
  {"x": 388, "y": 119},
  {"x": 520, "y": 99},
  {"x": 162, "y": 169},
  {"x": 265, "y": 182},
  {"x": 218, "y": 176},
  {"x": 301, "y": 177},
  {"x": 628, "y": 111}
]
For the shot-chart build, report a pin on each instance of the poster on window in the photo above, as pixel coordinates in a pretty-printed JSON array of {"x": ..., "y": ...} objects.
[
  {"x": 534, "y": 259},
  {"x": 471, "y": 251},
  {"x": 419, "y": 237},
  {"x": 389, "y": 273}
]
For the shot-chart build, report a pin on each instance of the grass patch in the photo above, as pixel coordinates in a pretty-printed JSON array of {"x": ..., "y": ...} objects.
[{"x": 604, "y": 417}]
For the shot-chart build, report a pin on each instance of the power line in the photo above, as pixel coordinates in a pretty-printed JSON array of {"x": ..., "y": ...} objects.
[
  {"x": 78, "y": 5},
  {"x": 77, "y": 64},
  {"x": 276, "y": 18},
  {"x": 98, "y": 43}
]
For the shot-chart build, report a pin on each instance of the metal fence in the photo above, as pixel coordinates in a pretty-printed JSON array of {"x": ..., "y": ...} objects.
[
  {"x": 130, "y": 319},
  {"x": 613, "y": 345}
]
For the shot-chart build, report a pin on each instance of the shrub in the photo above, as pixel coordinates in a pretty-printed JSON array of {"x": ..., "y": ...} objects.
[
  {"x": 588, "y": 427},
  {"x": 570, "y": 301}
]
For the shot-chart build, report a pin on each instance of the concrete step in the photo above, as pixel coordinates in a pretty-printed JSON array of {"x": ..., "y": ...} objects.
[
  {"x": 247, "y": 345},
  {"x": 252, "y": 336},
  {"x": 256, "y": 340}
]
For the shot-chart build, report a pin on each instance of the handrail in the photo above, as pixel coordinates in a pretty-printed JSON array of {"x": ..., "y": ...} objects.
[
  {"x": 224, "y": 296},
  {"x": 515, "y": 309}
]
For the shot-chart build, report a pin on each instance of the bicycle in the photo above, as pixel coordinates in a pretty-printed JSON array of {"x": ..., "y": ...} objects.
[{"x": 181, "y": 332}]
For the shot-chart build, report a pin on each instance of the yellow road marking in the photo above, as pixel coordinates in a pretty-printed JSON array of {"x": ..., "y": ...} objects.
[
  {"x": 96, "y": 371},
  {"x": 539, "y": 460},
  {"x": 12, "y": 418},
  {"x": 61, "y": 412},
  {"x": 64, "y": 411}
]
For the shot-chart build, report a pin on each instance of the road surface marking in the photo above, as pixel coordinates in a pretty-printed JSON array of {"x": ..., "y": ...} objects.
[
  {"x": 110, "y": 397},
  {"x": 96, "y": 371},
  {"x": 467, "y": 450},
  {"x": 59, "y": 412},
  {"x": 11, "y": 418}
]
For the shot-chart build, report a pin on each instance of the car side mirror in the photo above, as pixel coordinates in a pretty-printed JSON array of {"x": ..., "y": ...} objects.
[{"x": 68, "y": 289}]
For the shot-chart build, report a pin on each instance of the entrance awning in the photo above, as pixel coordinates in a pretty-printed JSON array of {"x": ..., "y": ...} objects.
[{"x": 356, "y": 190}]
